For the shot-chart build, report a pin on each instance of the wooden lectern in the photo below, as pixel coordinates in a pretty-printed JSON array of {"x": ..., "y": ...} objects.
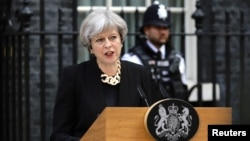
[{"x": 127, "y": 124}]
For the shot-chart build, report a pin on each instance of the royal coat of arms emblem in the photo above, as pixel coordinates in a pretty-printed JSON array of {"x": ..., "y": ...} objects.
[{"x": 172, "y": 120}]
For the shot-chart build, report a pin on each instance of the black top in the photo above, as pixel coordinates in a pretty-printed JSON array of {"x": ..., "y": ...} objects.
[
  {"x": 82, "y": 96},
  {"x": 111, "y": 94}
]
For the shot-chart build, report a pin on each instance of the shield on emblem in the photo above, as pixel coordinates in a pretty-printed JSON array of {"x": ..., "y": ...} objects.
[{"x": 173, "y": 124}]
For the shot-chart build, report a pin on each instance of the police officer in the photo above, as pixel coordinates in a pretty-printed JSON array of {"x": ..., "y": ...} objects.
[{"x": 155, "y": 53}]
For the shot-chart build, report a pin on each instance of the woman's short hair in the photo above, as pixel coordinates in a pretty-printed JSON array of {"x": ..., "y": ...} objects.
[{"x": 98, "y": 21}]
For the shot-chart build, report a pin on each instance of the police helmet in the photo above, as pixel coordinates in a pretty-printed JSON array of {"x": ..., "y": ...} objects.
[{"x": 157, "y": 14}]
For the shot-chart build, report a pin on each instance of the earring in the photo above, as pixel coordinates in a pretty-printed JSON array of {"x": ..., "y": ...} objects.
[{"x": 90, "y": 51}]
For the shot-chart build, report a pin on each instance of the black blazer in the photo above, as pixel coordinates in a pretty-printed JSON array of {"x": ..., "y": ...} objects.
[{"x": 80, "y": 98}]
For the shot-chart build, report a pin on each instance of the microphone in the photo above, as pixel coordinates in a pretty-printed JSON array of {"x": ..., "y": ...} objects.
[
  {"x": 142, "y": 94},
  {"x": 163, "y": 91}
]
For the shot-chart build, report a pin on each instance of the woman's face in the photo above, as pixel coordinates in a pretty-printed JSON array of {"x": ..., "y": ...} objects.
[{"x": 106, "y": 46}]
